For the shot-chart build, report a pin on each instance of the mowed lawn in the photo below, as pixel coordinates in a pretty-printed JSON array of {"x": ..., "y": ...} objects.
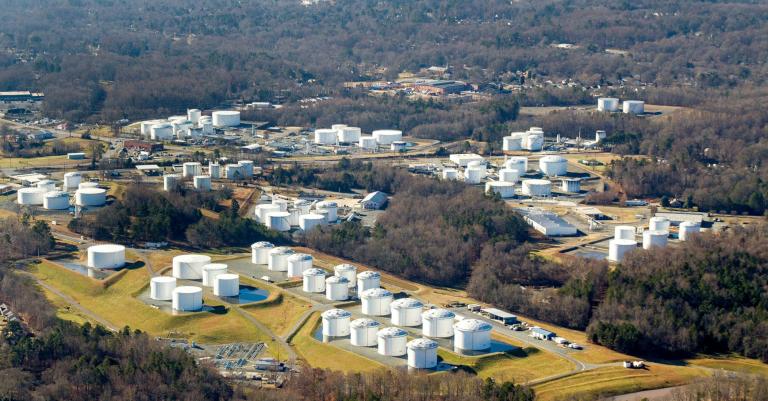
[
  {"x": 732, "y": 363},
  {"x": 520, "y": 366},
  {"x": 280, "y": 312}
]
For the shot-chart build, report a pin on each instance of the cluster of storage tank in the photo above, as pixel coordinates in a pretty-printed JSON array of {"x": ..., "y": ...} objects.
[
  {"x": 532, "y": 140},
  {"x": 243, "y": 169},
  {"x": 623, "y": 242},
  {"x": 628, "y": 106},
  {"x": 282, "y": 214},
  {"x": 46, "y": 194},
  {"x": 191, "y": 125},
  {"x": 344, "y": 134}
]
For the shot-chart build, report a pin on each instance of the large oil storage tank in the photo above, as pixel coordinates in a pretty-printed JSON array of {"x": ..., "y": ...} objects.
[
  {"x": 193, "y": 115},
  {"x": 422, "y": 353},
  {"x": 503, "y": 189},
  {"x": 618, "y": 248},
  {"x": 171, "y": 181},
  {"x": 72, "y": 180},
  {"x": 655, "y": 239},
  {"x": 537, "y": 187},
  {"x": 310, "y": 221},
  {"x": 553, "y": 165},
  {"x": 624, "y": 232},
  {"x": 367, "y": 280},
  {"x": 89, "y": 184},
  {"x": 47, "y": 185},
  {"x": 278, "y": 221},
  {"x": 474, "y": 174},
  {"x": 349, "y": 134},
  {"x": 534, "y": 141},
  {"x": 202, "y": 182},
  {"x": 406, "y": 312},
  {"x": 330, "y": 207},
  {"x": 189, "y": 267},
  {"x": 387, "y": 136},
  {"x": 450, "y": 174},
  {"x": 210, "y": 271},
  {"x": 246, "y": 166},
  {"x": 471, "y": 335},
  {"x": 509, "y": 175},
  {"x": 191, "y": 169},
  {"x": 392, "y": 341},
  {"x": 161, "y": 132},
  {"x": 106, "y": 256},
  {"x": 56, "y": 200},
  {"x": 376, "y": 302},
  {"x": 161, "y": 288},
  {"x": 658, "y": 223},
  {"x": 91, "y": 197},
  {"x": 688, "y": 228},
  {"x": 336, "y": 323},
  {"x": 146, "y": 127},
  {"x": 298, "y": 263},
  {"x": 263, "y": 209},
  {"x": 313, "y": 280},
  {"x": 234, "y": 172},
  {"x": 214, "y": 170},
  {"x": 226, "y": 285},
  {"x": 324, "y": 136},
  {"x": 260, "y": 252},
  {"x": 225, "y": 118},
  {"x": 302, "y": 205},
  {"x": 368, "y": 143},
  {"x": 519, "y": 163},
  {"x": 278, "y": 259},
  {"x": 571, "y": 185},
  {"x": 607, "y": 104},
  {"x": 437, "y": 323},
  {"x": 187, "y": 298},
  {"x": 633, "y": 107},
  {"x": 337, "y": 127},
  {"x": 31, "y": 196},
  {"x": 347, "y": 271},
  {"x": 363, "y": 332},
  {"x": 336, "y": 288},
  {"x": 512, "y": 143},
  {"x": 283, "y": 203}
]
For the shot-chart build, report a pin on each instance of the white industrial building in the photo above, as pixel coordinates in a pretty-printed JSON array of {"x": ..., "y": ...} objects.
[
  {"x": 374, "y": 201},
  {"x": 547, "y": 223}
]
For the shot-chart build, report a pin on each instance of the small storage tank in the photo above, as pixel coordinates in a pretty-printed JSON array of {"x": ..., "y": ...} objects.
[
  {"x": 364, "y": 332},
  {"x": 246, "y": 166},
  {"x": 225, "y": 118},
  {"x": 624, "y": 232},
  {"x": 392, "y": 341},
  {"x": 607, "y": 104},
  {"x": 260, "y": 252},
  {"x": 387, "y": 136},
  {"x": 653, "y": 239},
  {"x": 171, "y": 181},
  {"x": 263, "y": 209},
  {"x": 189, "y": 267},
  {"x": 234, "y": 172},
  {"x": 571, "y": 185},
  {"x": 161, "y": 132},
  {"x": 422, "y": 353},
  {"x": 330, "y": 207},
  {"x": 347, "y": 271},
  {"x": 512, "y": 143},
  {"x": 146, "y": 127},
  {"x": 310, "y": 221},
  {"x": 534, "y": 141},
  {"x": 617, "y": 248},
  {"x": 303, "y": 205},
  {"x": 72, "y": 180},
  {"x": 450, "y": 174},
  {"x": 298, "y": 263},
  {"x": 688, "y": 228},
  {"x": 367, "y": 280},
  {"x": 313, "y": 280},
  {"x": 471, "y": 335},
  {"x": 210, "y": 271},
  {"x": 193, "y": 115},
  {"x": 214, "y": 170},
  {"x": 106, "y": 256},
  {"x": 553, "y": 165},
  {"x": 336, "y": 288},
  {"x": 473, "y": 175},
  {"x": 324, "y": 136},
  {"x": 47, "y": 185},
  {"x": 161, "y": 288},
  {"x": 658, "y": 224},
  {"x": 368, "y": 143},
  {"x": 278, "y": 221},
  {"x": 537, "y": 187},
  {"x": 437, "y": 323},
  {"x": 191, "y": 169},
  {"x": 187, "y": 298},
  {"x": 633, "y": 107},
  {"x": 504, "y": 189},
  {"x": 509, "y": 175},
  {"x": 91, "y": 197},
  {"x": 376, "y": 302},
  {"x": 519, "y": 163},
  {"x": 336, "y": 323},
  {"x": 283, "y": 203},
  {"x": 30, "y": 196},
  {"x": 56, "y": 200},
  {"x": 278, "y": 259},
  {"x": 348, "y": 134},
  {"x": 202, "y": 182},
  {"x": 406, "y": 312},
  {"x": 226, "y": 285}
]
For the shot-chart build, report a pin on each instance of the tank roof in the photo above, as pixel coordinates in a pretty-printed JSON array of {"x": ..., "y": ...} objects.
[
  {"x": 407, "y": 303},
  {"x": 422, "y": 343},
  {"x": 313, "y": 272},
  {"x": 188, "y": 289},
  {"x": 365, "y": 323},
  {"x": 392, "y": 332},
  {"x": 345, "y": 267},
  {"x": 438, "y": 313},
  {"x": 336, "y": 279},
  {"x": 368, "y": 274},
  {"x": 215, "y": 266},
  {"x": 376, "y": 292},
  {"x": 336, "y": 314},
  {"x": 472, "y": 325},
  {"x": 262, "y": 244}
]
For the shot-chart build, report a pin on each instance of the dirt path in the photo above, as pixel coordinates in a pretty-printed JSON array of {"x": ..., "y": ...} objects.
[{"x": 291, "y": 353}]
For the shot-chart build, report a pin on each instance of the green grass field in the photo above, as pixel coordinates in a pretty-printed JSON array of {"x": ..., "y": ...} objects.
[
  {"x": 520, "y": 366},
  {"x": 733, "y": 363},
  {"x": 280, "y": 312}
]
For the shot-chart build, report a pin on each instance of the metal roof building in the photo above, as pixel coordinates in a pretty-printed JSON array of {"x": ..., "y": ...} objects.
[
  {"x": 500, "y": 315},
  {"x": 541, "y": 334},
  {"x": 547, "y": 223},
  {"x": 374, "y": 200}
]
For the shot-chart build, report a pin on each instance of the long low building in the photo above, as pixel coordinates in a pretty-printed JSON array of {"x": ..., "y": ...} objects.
[
  {"x": 499, "y": 315},
  {"x": 547, "y": 223}
]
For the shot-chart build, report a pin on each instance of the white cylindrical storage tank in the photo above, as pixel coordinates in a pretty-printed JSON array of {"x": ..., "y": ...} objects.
[
  {"x": 225, "y": 118},
  {"x": 210, "y": 271},
  {"x": 336, "y": 288},
  {"x": 617, "y": 248},
  {"x": 519, "y": 163},
  {"x": 56, "y": 200},
  {"x": 512, "y": 143},
  {"x": 349, "y": 134},
  {"x": 278, "y": 259},
  {"x": 72, "y": 180},
  {"x": 392, "y": 341},
  {"x": 571, "y": 185},
  {"x": 91, "y": 197},
  {"x": 161, "y": 132},
  {"x": 191, "y": 169},
  {"x": 471, "y": 335},
  {"x": 246, "y": 167},
  {"x": 422, "y": 353},
  {"x": 450, "y": 174},
  {"x": 324, "y": 136},
  {"x": 347, "y": 271},
  {"x": 437, "y": 323},
  {"x": 263, "y": 209},
  {"x": 278, "y": 221},
  {"x": 387, "y": 136},
  {"x": 363, "y": 332},
  {"x": 302, "y": 205},
  {"x": 193, "y": 115},
  {"x": 146, "y": 127},
  {"x": 234, "y": 171},
  {"x": 367, "y": 280},
  {"x": 214, "y": 170},
  {"x": 477, "y": 163},
  {"x": 298, "y": 263},
  {"x": 283, "y": 203},
  {"x": 376, "y": 302},
  {"x": 534, "y": 141},
  {"x": 171, "y": 181},
  {"x": 653, "y": 239},
  {"x": 406, "y": 312},
  {"x": 634, "y": 107},
  {"x": 30, "y": 196},
  {"x": 607, "y": 104},
  {"x": 313, "y": 280},
  {"x": 202, "y": 182},
  {"x": 207, "y": 126},
  {"x": 161, "y": 288},
  {"x": 260, "y": 252},
  {"x": 310, "y": 221},
  {"x": 106, "y": 256},
  {"x": 658, "y": 224},
  {"x": 537, "y": 187},
  {"x": 368, "y": 143},
  {"x": 84, "y": 185},
  {"x": 189, "y": 267},
  {"x": 47, "y": 185},
  {"x": 330, "y": 207},
  {"x": 687, "y": 228},
  {"x": 553, "y": 165},
  {"x": 336, "y": 323},
  {"x": 624, "y": 232},
  {"x": 473, "y": 175},
  {"x": 226, "y": 285},
  {"x": 187, "y": 298},
  {"x": 337, "y": 127},
  {"x": 504, "y": 189},
  {"x": 509, "y": 175},
  {"x": 295, "y": 219}
]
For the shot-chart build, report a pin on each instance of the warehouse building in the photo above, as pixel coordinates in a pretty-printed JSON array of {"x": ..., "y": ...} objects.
[
  {"x": 541, "y": 334},
  {"x": 374, "y": 201},
  {"x": 547, "y": 223},
  {"x": 499, "y": 315}
]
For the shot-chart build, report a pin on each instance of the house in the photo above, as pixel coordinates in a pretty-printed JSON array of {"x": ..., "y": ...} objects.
[
  {"x": 374, "y": 201},
  {"x": 541, "y": 334},
  {"x": 40, "y": 136}
]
